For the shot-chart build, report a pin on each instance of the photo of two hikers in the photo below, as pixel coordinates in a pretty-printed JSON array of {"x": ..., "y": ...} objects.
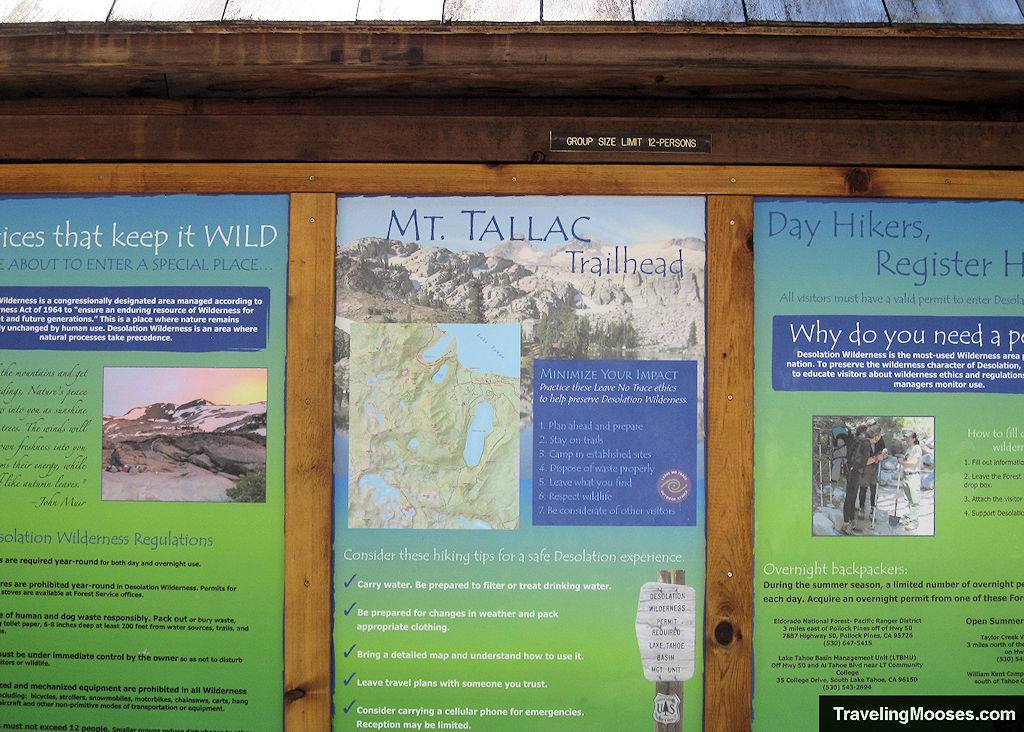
[{"x": 873, "y": 476}]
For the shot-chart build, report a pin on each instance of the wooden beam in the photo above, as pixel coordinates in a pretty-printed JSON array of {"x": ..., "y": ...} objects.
[
  {"x": 421, "y": 130},
  {"x": 378, "y": 179},
  {"x": 874, "y": 64}
]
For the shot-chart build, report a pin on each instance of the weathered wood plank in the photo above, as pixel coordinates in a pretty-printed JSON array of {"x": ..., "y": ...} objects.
[
  {"x": 587, "y": 10},
  {"x": 954, "y": 11},
  {"x": 816, "y": 11},
  {"x": 513, "y": 131},
  {"x": 308, "y": 479},
  {"x": 696, "y": 11},
  {"x": 181, "y": 11},
  {"x": 54, "y": 11},
  {"x": 433, "y": 179},
  {"x": 400, "y": 10},
  {"x": 728, "y": 617},
  {"x": 689, "y": 11},
  {"x": 305, "y": 11},
  {"x": 702, "y": 65},
  {"x": 492, "y": 11}
]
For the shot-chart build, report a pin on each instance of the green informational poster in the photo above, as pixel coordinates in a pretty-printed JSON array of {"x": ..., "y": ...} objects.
[
  {"x": 889, "y": 462},
  {"x": 142, "y": 351},
  {"x": 519, "y": 463}
]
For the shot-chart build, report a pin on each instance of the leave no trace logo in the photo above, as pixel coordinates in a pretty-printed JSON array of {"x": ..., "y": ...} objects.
[{"x": 674, "y": 486}]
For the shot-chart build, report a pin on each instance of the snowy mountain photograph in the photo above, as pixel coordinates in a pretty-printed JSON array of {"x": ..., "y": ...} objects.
[
  {"x": 184, "y": 434},
  {"x": 565, "y": 309}
]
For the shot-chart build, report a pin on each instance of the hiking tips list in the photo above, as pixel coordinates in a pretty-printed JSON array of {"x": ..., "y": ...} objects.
[
  {"x": 141, "y": 413},
  {"x": 518, "y": 459}
]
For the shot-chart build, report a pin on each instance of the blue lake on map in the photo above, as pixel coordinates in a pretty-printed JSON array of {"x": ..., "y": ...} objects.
[
  {"x": 437, "y": 350},
  {"x": 382, "y": 489},
  {"x": 492, "y": 348},
  {"x": 483, "y": 422}
]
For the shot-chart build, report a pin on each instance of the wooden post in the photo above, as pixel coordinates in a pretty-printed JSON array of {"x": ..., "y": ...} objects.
[
  {"x": 307, "y": 612},
  {"x": 670, "y": 688}
]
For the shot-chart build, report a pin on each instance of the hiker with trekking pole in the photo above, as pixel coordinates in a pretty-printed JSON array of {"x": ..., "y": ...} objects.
[
  {"x": 869, "y": 480},
  {"x": 911, "y": 464}
]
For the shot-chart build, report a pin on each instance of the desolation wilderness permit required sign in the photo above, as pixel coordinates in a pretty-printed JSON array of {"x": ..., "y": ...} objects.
[{"x": 666, "y": 629}]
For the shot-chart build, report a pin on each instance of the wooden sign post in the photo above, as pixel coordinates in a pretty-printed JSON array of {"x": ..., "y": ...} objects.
[{"x": 666, "y": 624}]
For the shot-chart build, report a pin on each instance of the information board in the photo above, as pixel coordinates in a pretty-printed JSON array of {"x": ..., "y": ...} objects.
[
  {"x": 519, "y": 450},
  {"x": 142, "y": 354},
  {"x": 888, "y": 463}
]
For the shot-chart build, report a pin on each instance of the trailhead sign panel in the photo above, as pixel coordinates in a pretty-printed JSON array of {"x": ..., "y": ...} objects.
[
  {"x": 142, "y": 354},
  {"x": 519, "y": 462},
  {"x": 889, "y": 455}
]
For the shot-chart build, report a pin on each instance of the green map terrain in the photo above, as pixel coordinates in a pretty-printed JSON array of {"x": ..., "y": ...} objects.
[{"x": 434, "y": 444}]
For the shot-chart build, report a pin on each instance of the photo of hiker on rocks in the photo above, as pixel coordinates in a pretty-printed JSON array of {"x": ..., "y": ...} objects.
[{"x": 873, "y": 476}]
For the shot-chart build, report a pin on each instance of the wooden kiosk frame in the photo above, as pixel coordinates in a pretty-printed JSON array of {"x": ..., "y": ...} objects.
[{"x": 730, "y": 192}]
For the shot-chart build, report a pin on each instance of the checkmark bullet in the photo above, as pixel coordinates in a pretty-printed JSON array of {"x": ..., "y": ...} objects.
[
  {"x": 350, "y": 608},
  {"x": 350, "y": 580},
  {"x": 349, "y": 706},
  {"x": 349, "y": 679},
  {"x": 350, "y": 650}
]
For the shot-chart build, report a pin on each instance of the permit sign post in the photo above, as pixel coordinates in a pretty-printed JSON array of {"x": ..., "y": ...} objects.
[{"x": 666, "y": 631}]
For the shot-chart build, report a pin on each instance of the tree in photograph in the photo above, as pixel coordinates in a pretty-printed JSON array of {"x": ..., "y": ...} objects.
[
  {"x": 251, "y": 487},
  {"x": 475, "y": 312}
]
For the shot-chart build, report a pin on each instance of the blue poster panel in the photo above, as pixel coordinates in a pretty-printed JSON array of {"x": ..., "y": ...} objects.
[{"x": 519, "y": 462}]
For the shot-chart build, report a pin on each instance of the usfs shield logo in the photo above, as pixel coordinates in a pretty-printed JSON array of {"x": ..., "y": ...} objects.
[{"x": 666, "y": 708}]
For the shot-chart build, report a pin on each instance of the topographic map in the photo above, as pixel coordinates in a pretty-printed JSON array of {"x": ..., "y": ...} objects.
[{"x": 434, "y": 426}]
